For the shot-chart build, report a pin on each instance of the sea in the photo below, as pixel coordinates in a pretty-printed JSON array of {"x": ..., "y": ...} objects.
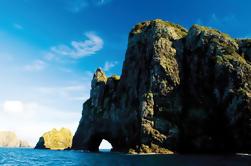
[{"x": 33, "y": 157}]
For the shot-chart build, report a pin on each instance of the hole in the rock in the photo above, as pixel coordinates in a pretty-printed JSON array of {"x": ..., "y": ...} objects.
[{"x": 105, "y": 146}]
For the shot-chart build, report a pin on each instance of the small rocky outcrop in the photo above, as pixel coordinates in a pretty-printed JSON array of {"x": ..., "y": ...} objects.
[
  {"x": 55, "y": 140},
  {"x": 9, "y": 139},
  {"x": 180, "y": 91}
]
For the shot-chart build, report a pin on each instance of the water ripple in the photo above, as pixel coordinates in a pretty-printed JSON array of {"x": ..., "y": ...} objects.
[{"x": 31, "y": 157}]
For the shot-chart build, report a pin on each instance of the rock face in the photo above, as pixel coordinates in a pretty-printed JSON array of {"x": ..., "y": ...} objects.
[
  {"x": 55, "y": 140},
  {"x": 181, "y": 91},
  {"x": 9, "y": 139}
]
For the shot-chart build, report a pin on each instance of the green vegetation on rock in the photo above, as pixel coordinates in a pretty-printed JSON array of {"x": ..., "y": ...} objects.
[{"x": 166, "y": 26}]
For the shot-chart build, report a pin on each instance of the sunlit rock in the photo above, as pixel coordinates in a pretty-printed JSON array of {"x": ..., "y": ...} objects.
[{"x": 55, "y": 140}]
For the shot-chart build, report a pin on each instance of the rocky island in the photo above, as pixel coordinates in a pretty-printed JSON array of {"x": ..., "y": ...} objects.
[
  {"x": 186, "y": 91},
  {"x": 55, "y": 140},
  {"x": 9, "y": 139}
]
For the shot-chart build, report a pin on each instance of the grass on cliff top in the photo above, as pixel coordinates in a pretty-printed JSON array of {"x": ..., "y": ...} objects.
[
  {"x": 213, "y": 31},
  {"x": 181, "y": 29},
  {"x": 178, "y": 29}
]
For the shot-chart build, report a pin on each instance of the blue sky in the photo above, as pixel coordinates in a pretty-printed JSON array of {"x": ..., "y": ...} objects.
[{"x": 49, "y": 50}]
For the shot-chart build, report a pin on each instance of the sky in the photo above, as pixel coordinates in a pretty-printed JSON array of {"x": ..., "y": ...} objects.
[{"x": 49, "y": 50}]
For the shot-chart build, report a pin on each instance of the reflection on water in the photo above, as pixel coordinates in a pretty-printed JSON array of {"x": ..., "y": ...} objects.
[{"x": 30, "y": 157}]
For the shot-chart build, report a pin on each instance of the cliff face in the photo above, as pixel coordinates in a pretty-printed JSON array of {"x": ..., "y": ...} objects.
[
  {"x": 184, "y": 91},
  {"x": 9, "y": 139},
  {"x": 55, "y": 140}
]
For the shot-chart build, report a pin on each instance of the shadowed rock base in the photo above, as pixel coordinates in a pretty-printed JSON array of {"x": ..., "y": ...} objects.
[{"x": 180, "y": 91}]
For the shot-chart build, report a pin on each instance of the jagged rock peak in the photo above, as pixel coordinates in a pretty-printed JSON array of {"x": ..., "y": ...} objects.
[
  {"x": 99, "y": 76},
  {"x": 159, "y": 28}
]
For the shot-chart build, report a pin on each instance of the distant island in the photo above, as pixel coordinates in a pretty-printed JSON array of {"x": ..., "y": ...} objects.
[
  {"x": 55, "y": 140},
  {"x": 9, "y": 139},
  {"x": 181, "y": 91}
]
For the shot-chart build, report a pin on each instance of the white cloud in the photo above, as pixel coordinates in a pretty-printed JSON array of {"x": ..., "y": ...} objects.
[
  {"x": 108, "y": 65},
  {"x": 72, "y": 91},
  {"x": 13, "y": 106},
  {"x": 37, "y": 65},
  {"x": 18, "y": 26},
  {"x": 78, "y": 49},
  {"x": 49, "y": 56}
]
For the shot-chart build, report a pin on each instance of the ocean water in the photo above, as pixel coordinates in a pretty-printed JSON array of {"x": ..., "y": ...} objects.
[{"x": 31, "y": 157}]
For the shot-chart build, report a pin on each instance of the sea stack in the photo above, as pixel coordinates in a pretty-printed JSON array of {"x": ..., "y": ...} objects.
[
  {"x": 186, "y": 91},
  {"x": 55, "y": 140}
]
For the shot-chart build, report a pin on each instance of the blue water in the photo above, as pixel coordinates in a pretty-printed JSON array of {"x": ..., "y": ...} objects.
[{"x": 30, "y": 157}]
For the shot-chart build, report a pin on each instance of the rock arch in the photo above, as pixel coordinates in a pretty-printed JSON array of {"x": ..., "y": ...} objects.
[{"x": 105, "y": 146}]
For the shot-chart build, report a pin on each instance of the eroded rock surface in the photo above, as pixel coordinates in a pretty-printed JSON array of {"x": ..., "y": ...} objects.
[
  {"x": 55, "y": 140},
  {"x": 181, "y": 91}
]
